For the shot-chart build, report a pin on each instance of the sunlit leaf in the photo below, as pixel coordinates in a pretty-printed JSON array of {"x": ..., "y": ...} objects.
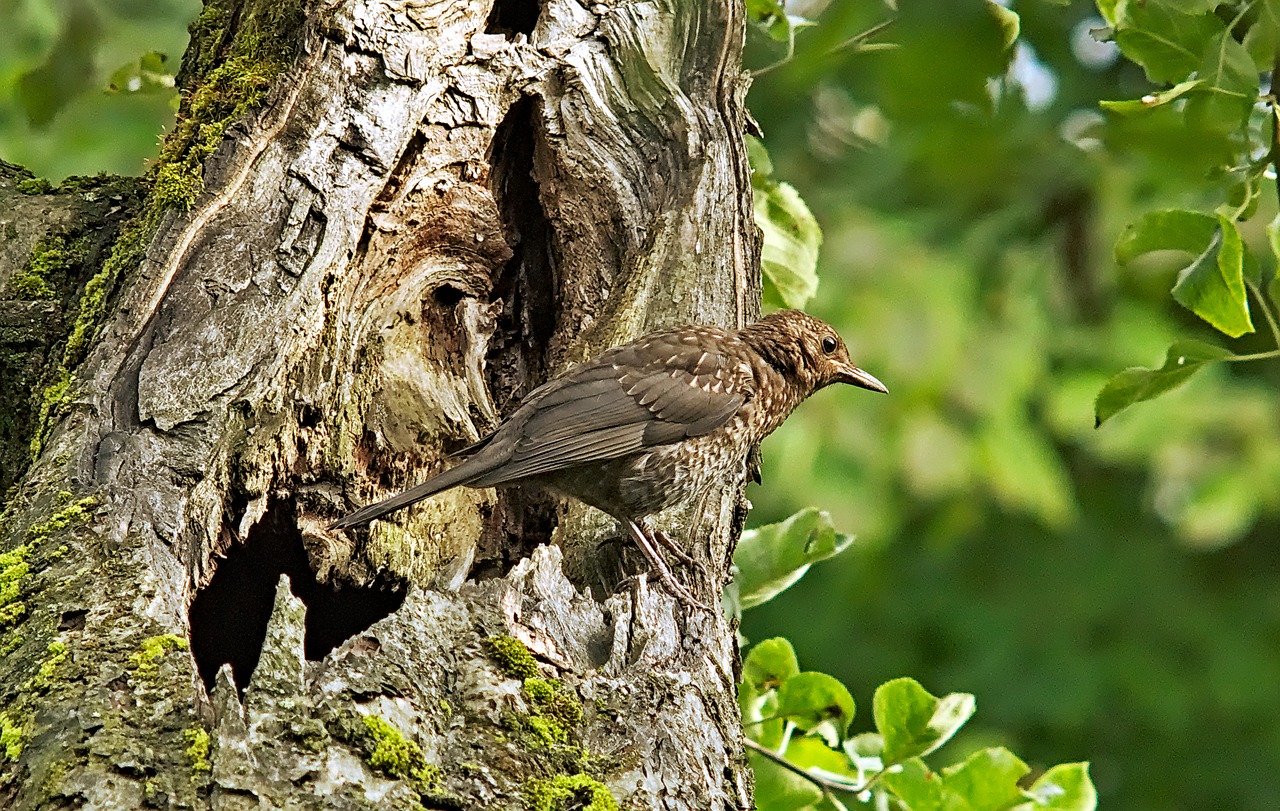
[
  {"x": 1152, "y": 100},
  {"x": 1230, "y": 86},
  {"x": 770, "y": 16},
  {"x": 792, "y": 237},
  {"x": 918, "y": 787},
  {"x": 811, "y": 753},
  {"x": 1212, "y": 286},
  {"x": 1166, "y": 230},
  {"x": 817, "y": 702},
  {"x": 987, "y": 780},
  {"x": 915, "y": 723},
  {"x": 1009, "y": 21},
  {"x": 773, "y": 557},
  {"x": 1165, "y": 41},
  {"x": 1066, "y": 787},
  {"x": 769, "y": 664},
  {"x": 1135, "y": 385},
  {"x": 147, "y": 74},
  {"x": 779, "y": 789}
]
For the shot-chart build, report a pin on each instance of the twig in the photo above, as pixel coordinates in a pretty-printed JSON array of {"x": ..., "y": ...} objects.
[
  {"x": 821, "y": 782},
  {"x": 1266, "y": 310}
]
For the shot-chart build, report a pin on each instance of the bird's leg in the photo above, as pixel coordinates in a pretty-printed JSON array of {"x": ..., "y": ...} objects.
[
  {"x": 646, "y": 543},
  {"x": 671, "y": 546}
]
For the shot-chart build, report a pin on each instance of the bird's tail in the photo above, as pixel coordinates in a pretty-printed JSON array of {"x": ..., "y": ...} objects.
[{"x": 461, "y": 474}]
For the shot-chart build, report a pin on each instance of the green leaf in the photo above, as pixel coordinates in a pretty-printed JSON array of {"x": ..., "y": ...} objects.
[
  {"x": 919, "y": 788},
  {"x": 1165, "y": 41},
  {"x": 1152, "y": 100},
  {"x": 773, "y": 557},
  {"x": 817, "y": 702},
  {"x": 770, "y": 664},
  {"x": 771, "y": 17},
  {"x": 1230, "y": 85},
  {"x": 1192, "y": 6},
  {"x": 1135, "y": 385},
  {"x": 987, "y": 780},
  {"x": 778, "y": 789},
  {"x": 915, "y": 723},
  {"x": 1009, "y": 21},
  {"x": 1166, "y": 230},
  {"x": 866, "y": 745},
  {"x": 1212, "y": 286},
  {"x": 1065, "y": 787},
  {"x": 812, "y": 753},
  {"x": 1273, "y": 236},
  {"x": 144, "y": 75},
  {"x": 792, "y": 237}
]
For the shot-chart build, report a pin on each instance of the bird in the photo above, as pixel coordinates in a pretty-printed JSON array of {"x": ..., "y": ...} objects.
[{"x": 652, "y": 424}]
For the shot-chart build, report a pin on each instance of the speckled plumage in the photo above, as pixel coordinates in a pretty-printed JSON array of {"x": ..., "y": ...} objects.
[{"x": 653, "y": 423}]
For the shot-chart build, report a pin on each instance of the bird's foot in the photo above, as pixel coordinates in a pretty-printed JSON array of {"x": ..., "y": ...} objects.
[
  {"x": 647, "y": 545},
  {"x": 674, "y": 548}
]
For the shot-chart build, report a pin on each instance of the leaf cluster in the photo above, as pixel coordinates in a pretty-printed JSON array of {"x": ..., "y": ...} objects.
[
  {"x": 1209, "y": 57},
  {"x": 798, "y": 723}
]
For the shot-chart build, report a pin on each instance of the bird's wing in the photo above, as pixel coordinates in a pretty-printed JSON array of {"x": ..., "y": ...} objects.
[{"x": 668, "y": 388}]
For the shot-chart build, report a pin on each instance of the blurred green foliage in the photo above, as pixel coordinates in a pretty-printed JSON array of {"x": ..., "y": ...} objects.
[
  {"x": 86, "y": 86},
  {"x": 1107, "y": 594}
]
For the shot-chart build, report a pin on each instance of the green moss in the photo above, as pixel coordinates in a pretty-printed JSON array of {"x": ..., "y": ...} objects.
[
  {"x": 95, "y": 187},
  {"x": 11, "y": 644},
  {"x": 391, "y": 753},
  {"x": 511, "y": 657},
  {"x": 35, "y": 185},
  {"x": 13, "y": 568},
  {"x": 540, "y": 731},
  {"x": 52, "y": 782},
  {"x": 549, "y": 697},
  {"x": 568, "y": 791},
  {"x": 541, "y": 690},
  {"x": 44, "y": 676},
  {"x": 177, "y": 186},
  {"x": 52, "y": 400},
  {"x": 125, "y": 253},
  {"x": 222, "y": 94},
  {"x": 78, "y": 512},
  {"x": 53, "y": 254},
  {"x": 197, "y": 748},
  {"x": 145, "y": 662},
  {"x": 27, "y": 286},
  {"x": 10, "y": 738},
  {"x": 553, "y": 712}
]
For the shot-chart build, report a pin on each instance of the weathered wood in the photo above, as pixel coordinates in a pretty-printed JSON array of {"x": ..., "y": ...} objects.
[{"x": 421, "y": 222}]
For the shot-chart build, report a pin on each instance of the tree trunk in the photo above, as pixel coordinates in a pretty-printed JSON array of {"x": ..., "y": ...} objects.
[{"x": 375, "y": 227}]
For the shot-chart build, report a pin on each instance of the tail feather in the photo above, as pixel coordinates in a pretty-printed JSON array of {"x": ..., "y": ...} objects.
[{"x": 461, "y": 474}]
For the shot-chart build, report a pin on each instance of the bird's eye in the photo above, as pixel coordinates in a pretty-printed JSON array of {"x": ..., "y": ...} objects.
[{"x": 828, "y": 345}]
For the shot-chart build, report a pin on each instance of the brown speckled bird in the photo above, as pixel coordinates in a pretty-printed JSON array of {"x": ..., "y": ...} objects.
[{"x": 653, "y": 423}]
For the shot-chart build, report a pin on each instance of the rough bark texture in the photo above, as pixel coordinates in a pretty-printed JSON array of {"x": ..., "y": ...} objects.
[{"x": 434, "y": 206}]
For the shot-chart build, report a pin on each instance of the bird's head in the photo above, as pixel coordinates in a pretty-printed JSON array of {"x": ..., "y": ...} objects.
[{"x": 806, "y": 350}]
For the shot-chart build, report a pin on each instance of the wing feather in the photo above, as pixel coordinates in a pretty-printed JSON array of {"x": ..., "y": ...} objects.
[{"x": 638, "y": 396}]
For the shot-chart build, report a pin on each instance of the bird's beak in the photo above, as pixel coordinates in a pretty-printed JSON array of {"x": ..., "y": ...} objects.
[{"x": 856, "y": 377}]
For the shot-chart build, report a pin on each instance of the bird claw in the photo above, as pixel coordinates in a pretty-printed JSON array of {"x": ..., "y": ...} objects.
[
  {"x": 671, "y": 546},
  {"x": 645, "y": 541}
]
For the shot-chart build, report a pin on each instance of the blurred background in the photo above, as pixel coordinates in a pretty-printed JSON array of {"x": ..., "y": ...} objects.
[{"x": 1108, "y": 595}]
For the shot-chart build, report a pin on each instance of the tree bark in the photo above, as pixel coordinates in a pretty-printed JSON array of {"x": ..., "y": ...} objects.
[{"x": 377, "y": 225}]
